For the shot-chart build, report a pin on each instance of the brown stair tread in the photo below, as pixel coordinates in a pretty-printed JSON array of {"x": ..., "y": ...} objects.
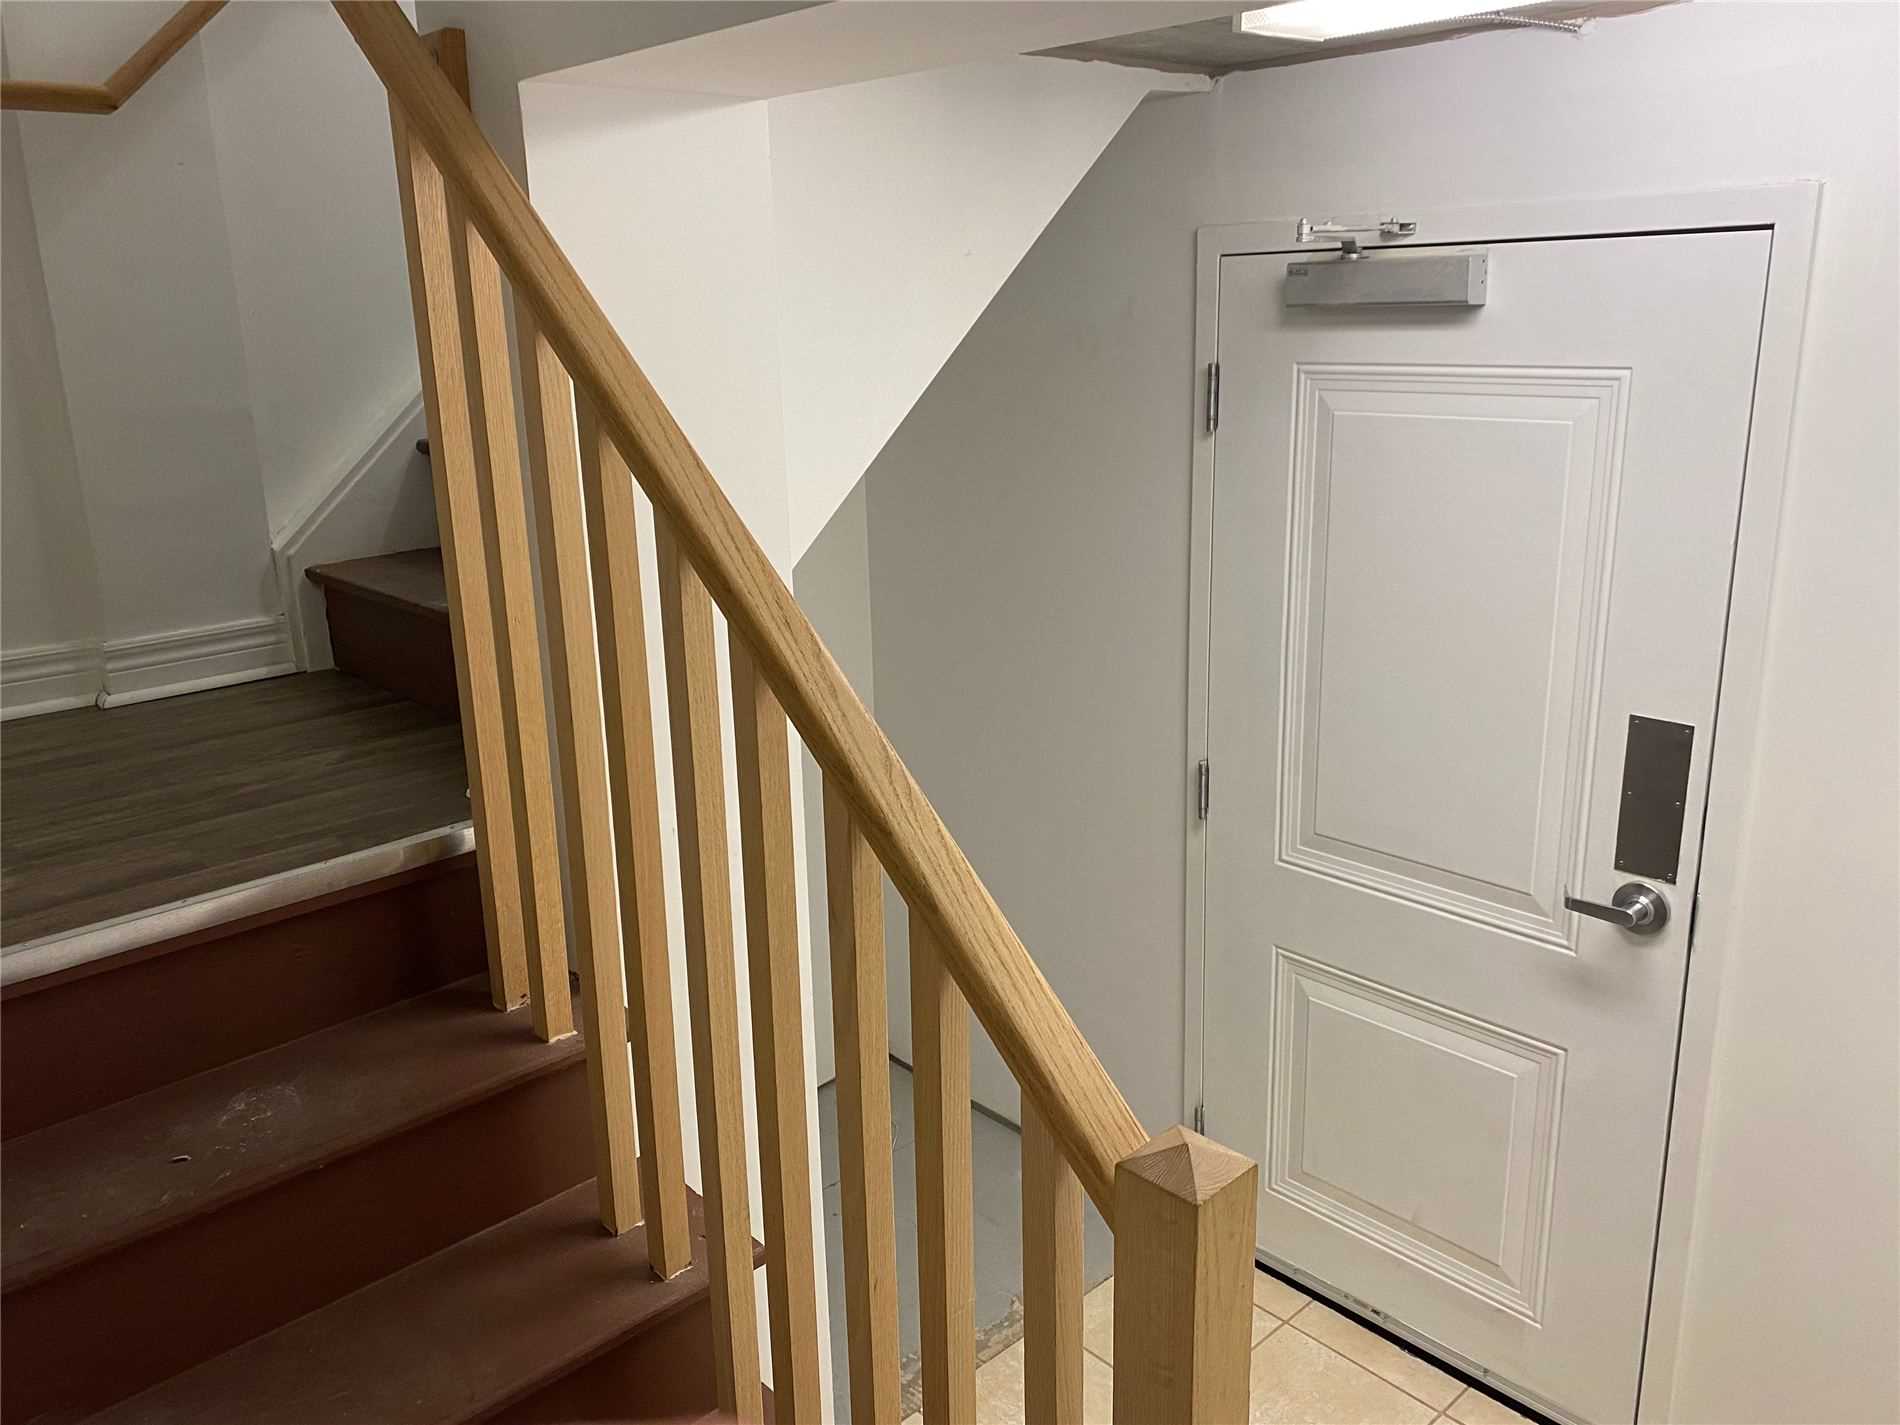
[
  {"x": 412, "y": 579},
  {"x": 86, "y": 1186},
  {"x": 457, "y": 1336}
]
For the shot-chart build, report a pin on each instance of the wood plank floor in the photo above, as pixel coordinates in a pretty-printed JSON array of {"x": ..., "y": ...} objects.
[{"x": 108, "y": 811}]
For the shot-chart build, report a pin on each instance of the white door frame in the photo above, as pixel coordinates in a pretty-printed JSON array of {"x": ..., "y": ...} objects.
[{"x": 1789, "y": 211}]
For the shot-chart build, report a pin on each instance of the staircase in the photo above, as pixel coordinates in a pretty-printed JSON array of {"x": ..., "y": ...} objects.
[
  {"x": 389, "y": 623},
  {"x": 359, "y": 1193},
  {"x": 302, "y": 1172}
]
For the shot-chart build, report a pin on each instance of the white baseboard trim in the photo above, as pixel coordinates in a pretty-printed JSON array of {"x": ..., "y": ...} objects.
[
  {"x": 194, "y": 659},
  {"x": 50, "y": 678}
]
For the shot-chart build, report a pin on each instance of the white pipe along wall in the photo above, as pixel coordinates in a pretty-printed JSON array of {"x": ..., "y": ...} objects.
[{"x": 1029, "y": 548}]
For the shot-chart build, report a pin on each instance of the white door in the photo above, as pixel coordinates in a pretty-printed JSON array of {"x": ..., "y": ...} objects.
[{"x": 1465, "y": 560}]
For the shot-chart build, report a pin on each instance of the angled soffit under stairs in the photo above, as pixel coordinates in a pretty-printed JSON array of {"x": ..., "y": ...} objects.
[{"x": 793, "y": 223}]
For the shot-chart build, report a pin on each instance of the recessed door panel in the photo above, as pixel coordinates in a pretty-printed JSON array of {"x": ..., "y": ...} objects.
[
  {"x": 1420, "y": 1129},
  {"x": 1447, "y": 562}
]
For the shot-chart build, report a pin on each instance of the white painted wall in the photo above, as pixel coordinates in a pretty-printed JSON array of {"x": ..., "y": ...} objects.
[
  {"x": 49, "y": 592},
  {"x": 513, "y": 40},
  {"x": 1029, "y": 554},
  {"x": 306, "y": 174},
  {"x": 900, "y": 206},
  {"x": 138, "y": 276},
  {"x": 1028, "y": 526},
  {"x": 226, "y": 289},
  {"x": 893, "y": 163}
]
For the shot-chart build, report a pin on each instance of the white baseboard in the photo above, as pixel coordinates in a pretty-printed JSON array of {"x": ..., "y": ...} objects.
[
  {"x": 50, "y": 678},
  {"x": 191, "y": 660}
]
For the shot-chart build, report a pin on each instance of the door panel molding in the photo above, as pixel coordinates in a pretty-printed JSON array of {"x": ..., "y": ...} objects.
[
  {"x": 1789, "y": 212},
  {"x": 1513, "y": 1086},
  {"x": 1577, "y": 416}
]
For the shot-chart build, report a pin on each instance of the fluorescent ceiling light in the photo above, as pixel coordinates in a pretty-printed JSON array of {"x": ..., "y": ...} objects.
[{"x": 1317, "y": 20}]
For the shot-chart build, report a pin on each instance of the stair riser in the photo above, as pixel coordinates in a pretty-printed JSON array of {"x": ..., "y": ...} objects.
[
  {"x": 663, "y": 1373},
  {"x": 109, "y": 1327},
  {"x": 405, "y": 651},
  {"x": 162, "y": 1013}
]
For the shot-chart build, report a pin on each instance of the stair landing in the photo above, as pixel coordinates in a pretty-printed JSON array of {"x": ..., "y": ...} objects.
[{"x": 116, "y": 811}]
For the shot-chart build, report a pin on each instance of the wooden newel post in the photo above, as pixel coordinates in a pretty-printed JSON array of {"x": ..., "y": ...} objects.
[{"x": 1184, "y": 1212}]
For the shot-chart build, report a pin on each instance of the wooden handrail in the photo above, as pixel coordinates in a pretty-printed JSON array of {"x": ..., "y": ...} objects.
[
  {"x": 125, "y": 81},
  {"x": 1045, "y": 1051}
]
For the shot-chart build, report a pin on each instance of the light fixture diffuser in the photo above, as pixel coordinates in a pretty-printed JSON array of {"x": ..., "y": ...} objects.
[{"x": 1317, "y": 20}]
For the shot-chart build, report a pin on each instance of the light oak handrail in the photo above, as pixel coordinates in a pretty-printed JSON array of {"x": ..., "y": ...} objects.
[
  {"x": 123, "y": 82},
  {"x": 1044, "y": 1049}
]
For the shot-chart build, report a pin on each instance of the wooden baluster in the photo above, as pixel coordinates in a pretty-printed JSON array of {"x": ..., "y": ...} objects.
[
  {"x": 762, "y": 751},
  {"x": 946, "y": 1274},
  {"x": 699, "y": 785},
  {"x": 524, "y": 721},
  {"x": 1026, "y": 1021},
  {"x": 504, "y": 513},
  {"x": 548, "y": 413},
  {"x": 1052, "y": 1279},
  {"x": 855, "y": 896},
  {"x": 1184, "y": 1210},
  {"x": 428, "y": 233},
  {"x": 613, "y": 541}
]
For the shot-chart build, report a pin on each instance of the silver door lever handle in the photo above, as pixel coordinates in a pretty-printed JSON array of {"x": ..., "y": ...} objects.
[{"x": 1635, "y": 907}]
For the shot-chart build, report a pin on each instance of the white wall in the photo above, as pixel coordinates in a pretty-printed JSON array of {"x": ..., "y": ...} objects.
[
  {"x": 1029, "y": 568},
  {"x": 306, "y": 174},
  {"x": 513, "y": 40},
  {"x": 1029, "y": 552},
  {"x": 900, "y": 206},
  {"x": 138, "y": 276},
  {"x": 49, "y": 595},
  {"x": 225, "y": 286}
]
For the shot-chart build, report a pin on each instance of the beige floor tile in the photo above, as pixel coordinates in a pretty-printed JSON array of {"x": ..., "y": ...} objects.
[
  {"x": 999, "y": 1390},
  {"x": 1474, "y": 1407},
  {"x": 1274, "y": 1296},
  {"x": 1297, "y": 1381},
  {"x": 1378, "y": 1355},
  {"x": 1263, "y": 1325},
  {"x": 1098, "y": 1321},
  {"x": 917, "y": 1419},
  {"x": 1098, "y": 1392}
]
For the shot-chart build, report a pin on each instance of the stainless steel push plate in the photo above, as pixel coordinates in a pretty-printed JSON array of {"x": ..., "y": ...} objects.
[{"x": 1655, "y": 788}]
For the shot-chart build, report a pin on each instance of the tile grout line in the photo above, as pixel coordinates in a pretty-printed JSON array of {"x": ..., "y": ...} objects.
[{"x": 1323, "y": 1345}]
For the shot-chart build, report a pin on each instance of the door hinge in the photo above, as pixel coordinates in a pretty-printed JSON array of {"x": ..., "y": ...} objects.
[
  {"x": 1200, "y": 1118},
  {"x": 1202, "y": 780},
  {"x": 1213, "y": 397}
]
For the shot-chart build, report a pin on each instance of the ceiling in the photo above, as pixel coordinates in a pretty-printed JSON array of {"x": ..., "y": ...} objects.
[{"x": 1216, "y": 47}]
